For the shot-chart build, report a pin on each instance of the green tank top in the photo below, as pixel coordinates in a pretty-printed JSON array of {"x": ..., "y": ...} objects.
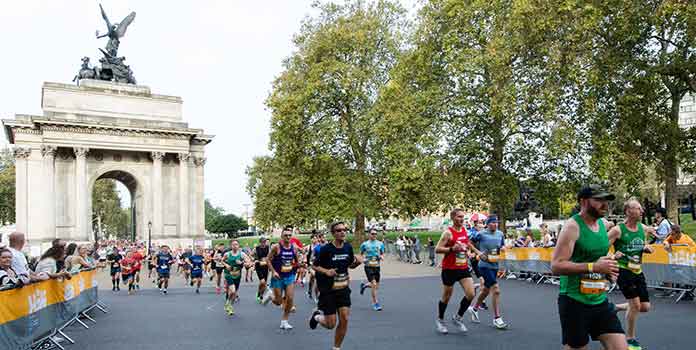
[
  {"x": 588, "y": 288},
  {"x": 231, "y": 260},
  {"x": 631, "y": 244}
]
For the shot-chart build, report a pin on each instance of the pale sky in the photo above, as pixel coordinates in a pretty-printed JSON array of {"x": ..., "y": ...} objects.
[{"x": 219, "y": 56}]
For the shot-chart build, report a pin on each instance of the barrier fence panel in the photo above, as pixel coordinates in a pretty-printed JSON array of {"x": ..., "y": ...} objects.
[{"x": 36, "y": 310}]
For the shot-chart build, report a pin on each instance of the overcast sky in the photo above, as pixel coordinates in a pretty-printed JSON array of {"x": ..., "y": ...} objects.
[{"x": 219, "y": 56}]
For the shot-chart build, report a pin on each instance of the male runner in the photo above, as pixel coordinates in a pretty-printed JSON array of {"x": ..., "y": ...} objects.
[
  {"x": 260, "y": 253},
  {"x": 314, "y": 254},
  {"x": 581, "y": 259},
  {"x": 114, "y": 260},
  {"x": 128, "y": 271},
  {"x": 372, "y": 252},
  {"x": 455, "y": 269},
  {"x": 490, "y": 241},
  {"x": 629, "y": 240},
  {"x": 282, "y": 261},
  {"x": 332, "y": 264},
  {"x": 163, "y": 260},
  {"x": 196, "y": 261},
  {"x": 188, "y": 252},
  {"x": 151, "y": 265},
  {"x": 234, "y": 260},
  {"x": 138, "y": 257}
]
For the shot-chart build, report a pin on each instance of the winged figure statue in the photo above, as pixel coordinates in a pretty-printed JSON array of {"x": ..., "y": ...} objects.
[{"x": 115, "y": 31}]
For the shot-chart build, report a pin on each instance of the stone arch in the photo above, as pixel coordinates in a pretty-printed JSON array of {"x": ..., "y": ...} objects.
[{"x": 137, "y": 183}]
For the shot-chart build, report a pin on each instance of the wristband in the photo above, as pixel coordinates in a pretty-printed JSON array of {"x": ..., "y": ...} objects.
[{"x": 590, "y": 266}]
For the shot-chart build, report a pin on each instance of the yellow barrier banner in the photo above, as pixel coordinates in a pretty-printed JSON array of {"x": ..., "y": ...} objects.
[{"x": 685, "y": 256}]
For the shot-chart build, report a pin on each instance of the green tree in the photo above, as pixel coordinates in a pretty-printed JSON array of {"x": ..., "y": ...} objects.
[
  {"x": 324, "y": 107},
  {"x": 7, "y": 187},
  {"x": 106, "y": 205},
  {"x": 211, "y": 214},
  {"x": 229, "y": 224}
]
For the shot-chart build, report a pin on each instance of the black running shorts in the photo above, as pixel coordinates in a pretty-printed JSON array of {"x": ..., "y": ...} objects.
[
  {"x": 332, "y": 300},
  {"x": 450, "y": 277},
  {"x": 633, "y": 285},
  {"x": 372, "y": 273},
  {"x": 262, "y": 272},
  {"x": 114, "y": 271},
  {"x": 580, "y": 321}
]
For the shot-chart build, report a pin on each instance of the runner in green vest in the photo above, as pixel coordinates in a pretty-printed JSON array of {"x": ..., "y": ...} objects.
[
  {"x": 583, "y": 261},
  {"x": 233, "y": 261},
  {"x": 629, "y": 239}
]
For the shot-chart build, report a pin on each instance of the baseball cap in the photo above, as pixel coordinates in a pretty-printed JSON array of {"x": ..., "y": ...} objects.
[{"x": 596, "y": 192}]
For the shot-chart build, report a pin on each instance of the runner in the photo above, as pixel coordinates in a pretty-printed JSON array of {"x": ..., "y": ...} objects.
[
  {"x": 581, "y": 259},
  {"x": 186, "y": 266},
  {"x": 332, "y": 264},
  {"x": 218, "y": 266},
  {"x": 128, "y": 265},
  {"x": 114, "y": 260},
  {"x": 375, "y": 254},
  {"x": 196, "y": 261},
  {"x": 163, "y": 260},
  {"x": 248, "y": 275},
  {"x": 629, "y": 240},
  {"x": 490, "y": 241},
  {"x": 300, "y": 266},
  {"x": 259, "y": 254},
  {"x": 282, "y": 261},
  {"x": 317, "y": 242},
  {"x": 234, "y": 260},
  {"x": 151, "y": 265},
  {"x": 138, "y": 257},
  {"x": 455, "y": 269}
]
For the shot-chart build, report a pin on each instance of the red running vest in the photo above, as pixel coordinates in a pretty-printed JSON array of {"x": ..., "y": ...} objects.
[{"x": 457, "y": 260}]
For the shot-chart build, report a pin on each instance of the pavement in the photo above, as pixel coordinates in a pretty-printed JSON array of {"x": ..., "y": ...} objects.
[{"x": 185, "y": 320}]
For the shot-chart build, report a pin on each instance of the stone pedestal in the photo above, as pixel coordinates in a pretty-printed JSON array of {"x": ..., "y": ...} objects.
[{"x": 101, "y": 130}]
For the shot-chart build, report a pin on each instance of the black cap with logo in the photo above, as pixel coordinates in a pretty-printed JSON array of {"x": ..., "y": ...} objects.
[{"x": 596, "y": 192}]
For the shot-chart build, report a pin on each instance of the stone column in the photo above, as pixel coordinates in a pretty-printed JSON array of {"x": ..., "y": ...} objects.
[
  {"x": 82, "y": 224},
  {"x": 199, "y": 223},
  {"x": 49, "y": 202},
  {"x": 21, "y": 191},
  {"x": 157, "y": 225},
  {"x": 184, "y": 195}
]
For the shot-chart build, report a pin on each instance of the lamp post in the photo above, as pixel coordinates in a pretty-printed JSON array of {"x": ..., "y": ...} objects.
[{"x": 149, "y": 237}]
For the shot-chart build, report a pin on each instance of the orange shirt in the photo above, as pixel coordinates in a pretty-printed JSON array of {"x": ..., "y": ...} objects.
[{"x": 683, "y": 240}]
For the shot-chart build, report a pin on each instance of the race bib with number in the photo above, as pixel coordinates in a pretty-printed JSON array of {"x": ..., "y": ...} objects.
[
  {"x": 373, "y": 262},
  {"x": 286, "y": 267},
  {"x": 461, "y": 259},
  {"x": 340, "y": 281},
  {"x": 235, "y": 272},
  {"x": 493, "y": 256},
  {"x": 593, "y": 283},
  {"x": 634, "y": 264},
  {"x": 262, "y": 263}
]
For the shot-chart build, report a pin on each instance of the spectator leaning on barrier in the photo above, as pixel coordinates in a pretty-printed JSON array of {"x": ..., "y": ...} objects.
[
  {"x": 48, "y": 264},
  {"x": 663, "y": 225},
  {"x": 59, "y": 243},
  {"x": 79, "y": 260},
  {"x": 8, "y": 276},
  {"x": 677, "y": 237},
  {"x": 19, "y": 260}
]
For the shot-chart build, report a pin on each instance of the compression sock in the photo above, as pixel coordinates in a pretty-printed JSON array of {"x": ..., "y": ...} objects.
[
  {"x": 441, "y": 307},
  {"x": 463, "y": 305}
]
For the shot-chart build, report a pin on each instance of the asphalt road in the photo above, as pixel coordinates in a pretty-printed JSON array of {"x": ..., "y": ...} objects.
[{"x": 184, "y": 320}]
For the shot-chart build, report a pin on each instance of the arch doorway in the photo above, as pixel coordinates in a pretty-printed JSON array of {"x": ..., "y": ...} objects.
[{"x": 114, "y": 203}]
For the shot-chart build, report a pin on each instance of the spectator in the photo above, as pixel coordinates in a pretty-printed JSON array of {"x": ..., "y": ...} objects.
[
  {"x": 678, "y": 238},
  {"x": 78, "y": 260},
  {"x": 521, "y": 241},
  {"x": 431, "y": 252},
  {"x": 8, "y": 276},
  {"x": 509, "y": 241},
  {"x": 19, "y": 260},
  {"x": 529, "y": 239},
  {"x": 400, "y": 247},
  {"x": 48, "y": 264},
  {"x": 59, "y": 243},
  {"x": 417, "y": 249},
  {"x": 663, "y": 226},
  {"x": 546, "y": 236}
]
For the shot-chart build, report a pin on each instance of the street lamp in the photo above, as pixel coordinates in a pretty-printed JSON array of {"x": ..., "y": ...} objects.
[{"x": 149, "y": 237}]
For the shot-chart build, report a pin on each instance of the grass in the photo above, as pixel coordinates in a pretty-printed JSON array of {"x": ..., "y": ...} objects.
[{"x": 688, "y": 225}]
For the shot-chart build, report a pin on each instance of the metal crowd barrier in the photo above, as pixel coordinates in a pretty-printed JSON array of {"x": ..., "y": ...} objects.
[{"x": 35, "y": 315}]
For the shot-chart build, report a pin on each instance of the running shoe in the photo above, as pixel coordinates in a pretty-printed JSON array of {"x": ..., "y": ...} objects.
[
  {"x": 484, "y": 306},
  {"x": 137, "y": 286},
  {"x": 284, "y": 324},
  {"x": 258, "y": 300},
  {"x": 633, "y": 344},
  {"x": 118, "y": 289},
  {"x": 266, "y": 298},
  {"x": 362, "y": 288},
  {"x": 440, "y": 325},
  {"x": 230, "y": 310},
  {"x": 474, "y": 315},
  {"x": 499, "y": 323},
  {"x": 164, "y": 291},
  {"x": 459, "y": 321},
  {"x": 377, "y": 307},
  {"x": 312, "y": 322},
  {"x": 198, "y": 291}
]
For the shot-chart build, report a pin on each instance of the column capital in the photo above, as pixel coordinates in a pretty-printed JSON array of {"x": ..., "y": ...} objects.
[
  {"x": 21, "y": 152},
  {"x": 157, "y": 155},
  {"x": 184, "y": 157},
  {"x": 199, "y": 161},
  {"x": 48, "y": 151},
  {"x": 80, "y": 152}
]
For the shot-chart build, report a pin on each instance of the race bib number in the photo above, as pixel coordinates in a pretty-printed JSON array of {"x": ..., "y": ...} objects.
[
  {"x": 593, "y": 284},
  {"x": 340, "y": 281},
  {"x": 634, "y": 264},
  {"x": 262, "y": 263},
  {"x": 164, "y": 267},
  {"x": 373, "y": 262},
  {"x": 115, "y": 264},
  {"x": 235, "y": 272},
  {"x": 493, "y": 256},
  {"x": 196, "y": 268},
  {"x": 286, "y": 268},
  {"x": 461, "y": 259}
]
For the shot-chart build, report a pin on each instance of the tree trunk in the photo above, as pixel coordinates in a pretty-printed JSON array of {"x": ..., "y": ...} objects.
[
  {"x": 359, "y": 233},
  {"x": 670, "y": 160}
]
